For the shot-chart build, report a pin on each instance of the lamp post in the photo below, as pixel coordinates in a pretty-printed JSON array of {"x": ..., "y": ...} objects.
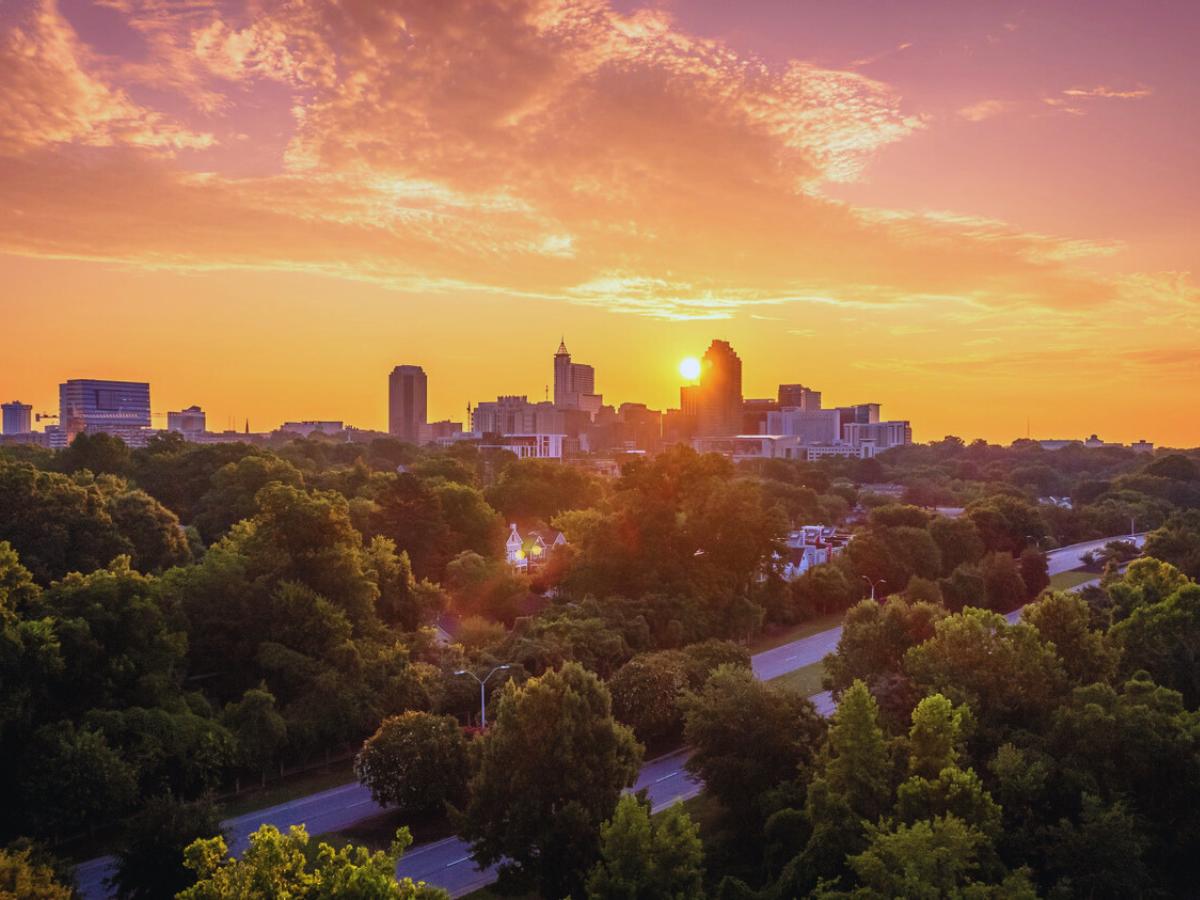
[
  {"x": 482, "y": 690},
  {"x": 873, "y": 584}
]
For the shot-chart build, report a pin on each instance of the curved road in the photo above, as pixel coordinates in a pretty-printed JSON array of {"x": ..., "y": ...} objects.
[{"x": 447, "y": 862}]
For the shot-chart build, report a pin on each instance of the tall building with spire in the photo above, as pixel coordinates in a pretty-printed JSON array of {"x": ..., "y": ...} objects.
[
  {"x": 407, "y": 403},
  {"x": 574, "y": 383},
  {"x": 719, "y": 398}
]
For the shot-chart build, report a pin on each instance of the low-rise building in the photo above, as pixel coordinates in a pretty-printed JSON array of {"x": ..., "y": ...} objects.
[{"x": 529, "y": 551}]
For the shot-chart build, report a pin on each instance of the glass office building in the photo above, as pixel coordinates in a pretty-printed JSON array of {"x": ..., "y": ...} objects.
[{"x": 120, "y": 408}]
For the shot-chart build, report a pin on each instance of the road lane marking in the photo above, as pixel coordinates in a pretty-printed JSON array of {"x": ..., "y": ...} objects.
[{"x": 665, "y": 777}]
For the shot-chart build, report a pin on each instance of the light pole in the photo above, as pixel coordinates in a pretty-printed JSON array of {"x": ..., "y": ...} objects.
[
  {"x": 482, "y": 690},
  {"x": 873, "y": 583}
]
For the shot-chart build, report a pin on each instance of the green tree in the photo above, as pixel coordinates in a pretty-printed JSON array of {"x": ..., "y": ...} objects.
[
  {"x": 1064, "y": 620},
  {"x": 258, "y": 728},
  {"x": 647, "y": 859},
  {"x": 150, "y": 864},
  {"x": 1007, "y": 676},
  {"x": 1164, "y": 639},
  {"x": 24, "y": 878},
  {"x": 1003, "y": 586},
  {"x": 958, "y": 540},
  {"x": 1035, "y": 574},
  {"x": 278, "y": 865},
  {"x": 1145, "y": 582},
  {"x": 551, "y": 769},
  {"x": 646, "y": 692},
  {"x": 853, "y": 787},
  {"x": 235, "y": 486},
  {"x": 874, "y": 639},
  {"x": 535, "y": 490},
  {"x": 1178, "y": 542},
  {"x": 100, "y": 453},
  {"x": 56, "y": 524},
  {"x": 417, "y": 761},
  {"x": 747, "y": 738},
  {"x": 931, "y": 859}
]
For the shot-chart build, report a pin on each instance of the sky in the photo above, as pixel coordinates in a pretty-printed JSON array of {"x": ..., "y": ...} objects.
[{"x": 980, "y": 215}]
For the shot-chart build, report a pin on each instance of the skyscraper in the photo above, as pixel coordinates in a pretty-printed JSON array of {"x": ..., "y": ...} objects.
[
  {"x": 120, "y": 408},
  {"x": 720, "y": 397},
  {"x": 574, "y": 383},
  {"x": 17, "y": 418},
  {"x": 407, "y": 403}
]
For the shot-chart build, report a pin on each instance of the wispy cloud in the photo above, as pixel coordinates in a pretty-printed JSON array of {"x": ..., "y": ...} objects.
[
  {"x": 985, "y": 109},
  {"x": 1104, "y": 92}
]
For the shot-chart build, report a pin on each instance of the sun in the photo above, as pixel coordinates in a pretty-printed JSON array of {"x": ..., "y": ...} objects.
[{"x": 689, "y": 368}]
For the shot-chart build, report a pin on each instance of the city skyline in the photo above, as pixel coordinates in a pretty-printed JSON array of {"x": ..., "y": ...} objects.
[{"x": 980, "y": 214}]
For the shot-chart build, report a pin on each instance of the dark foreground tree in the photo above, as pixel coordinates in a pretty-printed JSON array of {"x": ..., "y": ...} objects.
[
  {"x": 151, "y": 864},
  {"x": 551, "y": 770}
]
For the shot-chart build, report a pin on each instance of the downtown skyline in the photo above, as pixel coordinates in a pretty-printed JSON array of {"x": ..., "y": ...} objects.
[{"x": 983, "y": 217}]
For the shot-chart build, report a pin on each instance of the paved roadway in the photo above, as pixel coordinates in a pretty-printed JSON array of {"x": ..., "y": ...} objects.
[{"x": 446, "y": 863}]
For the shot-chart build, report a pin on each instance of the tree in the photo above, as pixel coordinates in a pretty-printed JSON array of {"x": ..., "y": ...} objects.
[
  {"x": 1178, "y": 542},
  {"x": 150, "y": 864},
  {"x": 1064, "y": 620},
  {"x": 1164, "y": 639},
  {"x": 56, "y": 524},
  {"x": 646, "y": 692},
  {"x": 73, "y": 779},
  {"x": 1007, "y": 676},
  {"x": 874, "y": 639},
  {"x": 24, "y": 878},
  {"x": 100, "y": 453},
  {"x": 235, "y": 487},
  {"x": 551, "y": 769},
  {"x": 537, "y": 490},
  {"x": 260, "y": 731},
  {"x": 930, "y": 859},
  {"x": 647, "y": 859},
  {"x": 278, "y": 865},
  {"x": 417, "y": 761},
  {"x": 747, "y": 738},
  {"x": 1102, "y": 856},
  {"x": 1002, "y": 582},
  {"x": 1034, "y": 571},
  {"x": 853, "y": 786},
  {"x": 1146, "y": 582}
]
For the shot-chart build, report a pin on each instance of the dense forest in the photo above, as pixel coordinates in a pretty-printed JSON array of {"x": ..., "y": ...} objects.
[{"x": 181, "y": 621}]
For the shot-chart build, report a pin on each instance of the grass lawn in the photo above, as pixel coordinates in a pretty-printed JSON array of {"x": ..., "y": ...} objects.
[
  {"x": 769, "y": 640},
  {"x": 804, "y": 681},
  {"x": 1064, "y": 581},
  {"x": 333, "y": 775}
]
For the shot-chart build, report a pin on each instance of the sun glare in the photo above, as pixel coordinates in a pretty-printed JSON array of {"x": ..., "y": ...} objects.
[{"x": 689, "y": 368}]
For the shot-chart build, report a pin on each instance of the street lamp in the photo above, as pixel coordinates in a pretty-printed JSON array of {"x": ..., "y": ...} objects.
[
  {"x": 482, "y": 690},
  {"x": 873, "y": 584}
]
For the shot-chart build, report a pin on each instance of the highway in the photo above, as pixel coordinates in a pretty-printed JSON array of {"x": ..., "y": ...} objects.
[{"x": 447, "y": 863}]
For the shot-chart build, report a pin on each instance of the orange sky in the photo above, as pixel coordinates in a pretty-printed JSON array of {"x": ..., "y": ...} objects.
[{"x": 975, "y": 214}]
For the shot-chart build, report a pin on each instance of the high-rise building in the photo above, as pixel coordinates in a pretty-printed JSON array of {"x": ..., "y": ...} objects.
[
  {"x": 120, "y": 408},
  {"x": 574, "y": 383},
  {"x": 18, "y": 418},
  {"x": 720, "y": 394},
  {"x": 407, "y": 403},
  {"x": 797, "y": 396},
  {"x": 188, "y": 421}
]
